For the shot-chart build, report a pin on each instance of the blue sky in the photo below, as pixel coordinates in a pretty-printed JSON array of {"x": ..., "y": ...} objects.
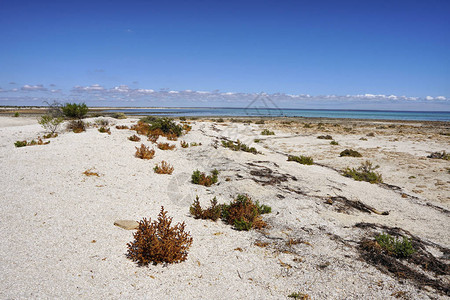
[{"x": 306, "y": 54}]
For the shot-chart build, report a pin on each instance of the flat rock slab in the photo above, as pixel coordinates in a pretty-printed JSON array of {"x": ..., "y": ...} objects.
[{"x": 127, "y": 224}]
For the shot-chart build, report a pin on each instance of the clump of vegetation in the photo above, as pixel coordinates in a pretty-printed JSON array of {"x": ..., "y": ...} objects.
[
  {"x": 119, "y": 115},
  {"x": 307, "y": 125},
  {"x": 201, "y": 178},
  {"x": 104, "y": 130},
  {"x": 163, "y": 168},
  {"x": 74, "y": 110},
  {"x": 371, "y": 134},
  {"x": 260, "y": 122},
  {"x": 244, "y": 214},
  {"x": 50, "y": 135},
  {"x": 89, "y": 172},
  {"x": 334, "y": 143},
  {"x": 304, "y": 160},
  {"x": 325, "y": 137},
  {"x": 50, "y": 123},
  {"x": 439, "y": 155},
  {"x": 16, "y": 114},
  {"x": 267, "y": 132},
  {"x": 300, "y": 296},
  {"x": 195, "y": 144},
  {"x": 166, "y": 146},
  {"x": 102, "y": 122},
  {"x": 120, "y": 127},
  {"x": 257, "y": 140},
  {"x": 184, "y": 144},
  {"x": 144, "y": 152},
  {"x": 39, "y": 141},
  {"x": 159, "y": 242},
  {"x": 211, "y": 213},
  {"x": 134, "y": 138},
  {"x": 363, "y": 139},
  {"x": 401, "y": 248},
  {"x": 166, "y": 125},
  {"x": 365, "y": 172},
  {"x": 172, "y": 137},
  {"x": 238, "y": 146},
  {"x": 76, "y": 126},
  {"x": 220, "y": 120},
  {"x": 350, "y": 152}
]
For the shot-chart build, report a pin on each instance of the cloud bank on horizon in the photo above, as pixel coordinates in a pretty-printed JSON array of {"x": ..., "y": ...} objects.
[{"x": 123, "y": 95}]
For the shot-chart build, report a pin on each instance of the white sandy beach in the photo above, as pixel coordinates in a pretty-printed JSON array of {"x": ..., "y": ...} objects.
[{"x": 59, "y": 241}]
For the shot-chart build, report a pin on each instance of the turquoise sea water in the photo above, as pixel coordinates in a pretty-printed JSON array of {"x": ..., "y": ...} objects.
[{"x": 311, "y": 113}]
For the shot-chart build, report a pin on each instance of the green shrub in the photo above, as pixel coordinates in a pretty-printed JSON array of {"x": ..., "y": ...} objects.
[
  {"x": 365, "y": 172},
  {"x": 166, "y": 125},
  {"x": 76, "y": 126},
  {"x": 212, "y": 213},
  {"x": 299, "y": 296},
  {"x": 104, "y": 130},
  {"x": 325, "y": 137},
  {"x": 74, "y": 110},
  {"x": 50, "y": 123},
  {"x": 350, "y": 152},
  {"x": 257, "y": 140},
  {"x": 19, "y": 144},
  {"x": 267, "y": 132},
  {"x": 304, "y": 160},
  {"x": 334, "y": 143},
  {"x": 201, "y": 178},
  {"x": 400, "y": 248},
  {"x": 238, "y": 146},
  {"x": 119, "y": 115},
  {"x": 243, "y": 214},
  {"x": 16, "y": 114}
]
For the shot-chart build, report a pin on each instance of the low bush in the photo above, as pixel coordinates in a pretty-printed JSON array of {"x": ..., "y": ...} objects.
[
  {"x": 159, "y": 242},
  {"x": 119, "y": 115},
  {"x": 166, "y": 125},
  {"x": 171, "y": 137},
  {"x": 16, "y": 114},
  {"x": 299, "y": 296},
  {"x": 220, "y": 120},
  {"x": 238, "y": 146},
  {"x": 134, "y": 138},
  {"x": 334, "y": 143},
  {"x": 39, "y": 141},
  {"x": 122, "y": 127},
  {"x": 50, "y": 135},
  {"x": 19, "y": 144},
  {"x": 365, "y": 172},
  {"x": 163, "y": 168},
  {"x": 102, "y": 122},
  {"x": 267, "y": 132},
  {"x": 74, "y": 110},
  {"x": 184, "y": 144},
  {"x": 439, "y": 155},
  {"x": 257, "y": 140},
  {"x": 307, "y": 125},
  {"x": 201, "y": 178},
  {"x": 325, "y": 137},
  {"x": 76, "y": 126},
  {"x": 144, "y": 152},
  {"x": 304, "y": 160},
  {"x": 212, "y": 213},
  {"x": 243, "y": 214},
  {"x": 49, "y": 123},
  {"x": 371, "y": 134},
  {"x": 194, "y": 144},
  {"x": 350, "y": 152},
  {"x": 104, "y": 130},
  {"x": 165, "y": 146},
  {"x": 400, "y": 248}
]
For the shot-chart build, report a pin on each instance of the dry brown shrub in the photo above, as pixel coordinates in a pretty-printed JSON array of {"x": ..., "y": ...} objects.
[
  {"x": 184, "y": 144},
  {"x": 212, "y": 213},
  {"x": 90, "y": 173},
  {"x": 122, "y": 127},
  {"x": 144, "y": 152},
  {"x": 134, "y": 138},
  {"x": 187, "y": 128},
  {"x": 243, "y": 214},
  {"x": 164, "y": 168},
  {"x": 171, "y": 137},
  {"x": 159, "y": 242},
  {"x": 165, "y": 146},
  {"x": 76, "y": 126},
  {"x": 104, "y": 130},
  {"x": 141, "y": 128}
]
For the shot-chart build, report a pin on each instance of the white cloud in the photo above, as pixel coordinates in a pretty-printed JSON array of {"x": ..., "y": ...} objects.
[
  {"x": 38, "y": 87},
  {"x": 91, "y": 88},
  {"x": 429, "y": 98},
  {"x": 440, "y": 98}
]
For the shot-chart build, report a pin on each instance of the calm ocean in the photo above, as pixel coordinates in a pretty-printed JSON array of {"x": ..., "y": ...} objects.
[{"x": 310, "y": 113}]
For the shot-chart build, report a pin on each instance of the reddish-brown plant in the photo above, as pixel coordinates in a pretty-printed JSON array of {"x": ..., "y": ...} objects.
[
  {"x": 141, "y": 128},
  {"x": 171, "y": 137},
  {"x": 144, "y": 152},
  {"x": 134, "y": 138},
  {"x": 184, "y": 144},
  {"x": 243, "y": 214},
  {"x": 212, "y": 213},
  {"x": 159, "y": 242},
  {"x": 163, "y": 168},
  {"x": 166, "y": 146}
]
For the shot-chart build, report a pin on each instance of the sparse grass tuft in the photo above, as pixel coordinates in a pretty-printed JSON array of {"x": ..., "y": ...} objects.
[
  {"x": 39, "y": 141},
  {"x": 104, "y": 130},
  {"x": 401, "y": 248},
  {"x": 304, "y": 160},
  {"x": 267, "y": 132},
  {"x": 201, "y": 178},
  {"x": 164, "y": 168},
  {"x": 350, "y": 152},
  {"x": 159, "y": 242},
  {"x": 238, "y": 146},
  {"x": 144, "y": 152},
  {"x": 365, "y": 172},
  {"x": 299, "y": 296},
  {"x": 165, "y": 146},
  {"x": 334, "y": 143}
]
